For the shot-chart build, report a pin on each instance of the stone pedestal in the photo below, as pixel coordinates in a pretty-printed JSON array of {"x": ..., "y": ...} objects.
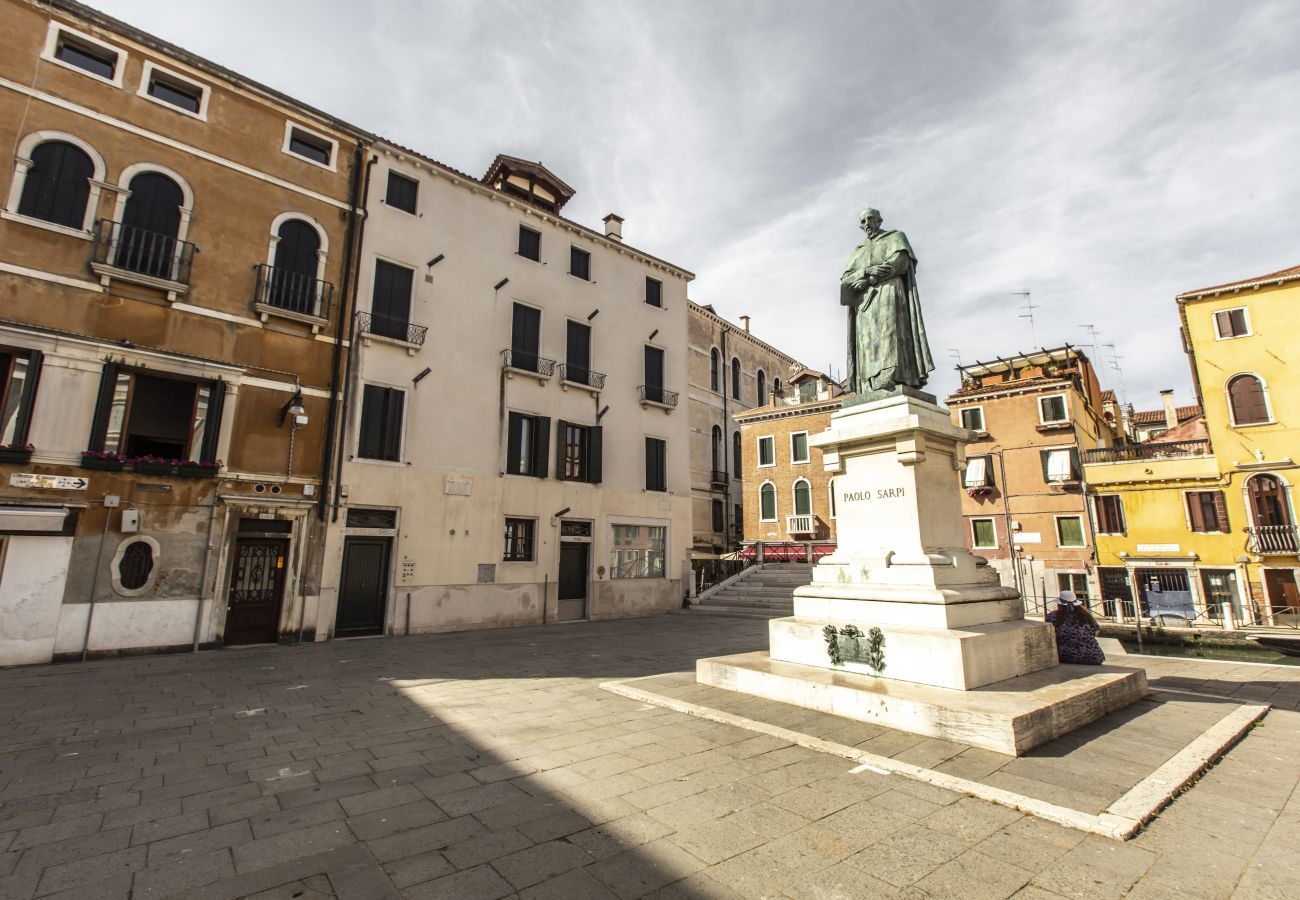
[{"x": 904, "y": 601}]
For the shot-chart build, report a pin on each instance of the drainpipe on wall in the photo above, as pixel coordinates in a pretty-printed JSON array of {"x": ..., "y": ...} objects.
[
  {"x": 352, "y": 341},
  {"x": 331, "y": 416},
  {"x": 203, "y": 575},
  {"x": 726, "y": 441},
  {"x": 94, "y": 580}
]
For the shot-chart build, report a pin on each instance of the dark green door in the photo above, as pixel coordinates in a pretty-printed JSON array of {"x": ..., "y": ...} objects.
[
  {"x": 363, "y": 587},
  {"x": 573, "y": 582}
]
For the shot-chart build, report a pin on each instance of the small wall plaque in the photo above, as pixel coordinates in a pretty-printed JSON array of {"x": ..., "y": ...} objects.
[{"x": 487, "y": 573}]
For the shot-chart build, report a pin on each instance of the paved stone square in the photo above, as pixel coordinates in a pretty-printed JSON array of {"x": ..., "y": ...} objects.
[{"x": 490, "y": 764}]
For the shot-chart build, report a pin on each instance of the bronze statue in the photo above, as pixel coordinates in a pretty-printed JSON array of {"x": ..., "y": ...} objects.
[{"x": 887, "y": 346}]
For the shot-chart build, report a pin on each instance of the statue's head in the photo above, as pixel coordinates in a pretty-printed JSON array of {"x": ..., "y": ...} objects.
[{"x": 870, "y": 220}]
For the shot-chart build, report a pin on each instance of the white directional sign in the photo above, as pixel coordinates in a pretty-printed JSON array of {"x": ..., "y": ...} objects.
[{"x": 49, "y": 482}]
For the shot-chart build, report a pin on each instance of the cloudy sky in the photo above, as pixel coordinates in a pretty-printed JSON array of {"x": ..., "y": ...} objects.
[{"x": 1103, "y": 156}]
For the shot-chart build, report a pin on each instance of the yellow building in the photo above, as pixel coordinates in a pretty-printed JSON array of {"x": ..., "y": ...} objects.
[
  {"x": 1199, "y": 522},
  {"x": 1243, "y": 339}
]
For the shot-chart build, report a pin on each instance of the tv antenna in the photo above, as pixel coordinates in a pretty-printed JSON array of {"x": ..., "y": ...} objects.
[
  {"x": 1115, "y": 357},
  {"x": 956, "y": 355},
  {"x": 1092, "y": 329},
  {"x": 1028, "y": 313}
]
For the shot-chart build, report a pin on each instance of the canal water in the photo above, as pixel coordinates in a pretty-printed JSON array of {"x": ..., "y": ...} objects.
[{"x": 1243, "y": 654}]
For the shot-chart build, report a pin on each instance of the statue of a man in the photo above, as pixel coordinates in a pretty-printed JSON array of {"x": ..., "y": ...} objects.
[{"x": 887, "y": 345}]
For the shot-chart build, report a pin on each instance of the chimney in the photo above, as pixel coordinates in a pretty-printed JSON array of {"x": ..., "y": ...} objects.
[
  {"x": 744, "y": 323},
  {"x": 1171, "y": 411},
  {"x": 614, "y": 227}
]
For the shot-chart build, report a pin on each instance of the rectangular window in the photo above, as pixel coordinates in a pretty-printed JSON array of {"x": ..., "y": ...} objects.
[
  {"x": 403, "y": 193},
  {"x": 577, "y": 353},
  {"x": 390, "y": 304},
  {"x": 639, "y": 551},
  {"x": 381, "y": 423},
  {"x": 89, "y": 56},
  {"x": 719, "y": 517},
  {"x": 799, "y": 447},
  {"x": 1207, "y": 512},
  {"x": 525, "y": 337},
  {"x": 984, "y": 534},
  {"x": 139, "y": 414},
  {"x": 173, "y": 90},
  {"x": 1073, "y": 581},
  {"x": 654, "y": 292},
  {"x": 1069, "y": 531},
  {"x": 519, "y": 540},
  {"x": 1060, "y": 465},
  {"x": 580, "y": 264},
  {"x": 310, "y": 146},
  {"x": 656, "y": 464},
  {"x": 1051, "y": 410},
  {"x": 578, "y": 452},
  {"x": 972, "y": 417},
  {"x": 19, "y": 375},
  {"x": 654, "y": 374},
  {"x": 1231, "y": 323},
  {"x": 530, "y": 243},
  {"x": 978, "y": 472},
  {"x": 1220, "y": 590},
  {"x": 528, "y": 442},
  {"x": 739, "y": 521},
  {"x": 766, "y": 451},
  {"x": 1108, "y": 509}
]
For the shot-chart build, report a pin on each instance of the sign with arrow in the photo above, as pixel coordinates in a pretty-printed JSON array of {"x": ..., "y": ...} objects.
[{"x": 48, "y": 482}]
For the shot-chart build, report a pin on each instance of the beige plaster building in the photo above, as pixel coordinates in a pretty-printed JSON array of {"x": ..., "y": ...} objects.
[
  {"x": 514, "y": 447},
  {"x": 789, "y": 496},
  {"x": 730, "y": 371},
  {"x": 1025, "y": 507}
]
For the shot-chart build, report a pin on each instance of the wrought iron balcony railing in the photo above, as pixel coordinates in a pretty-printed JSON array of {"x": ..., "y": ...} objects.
[
  {"x": 653, "y": 393},
  {"x": 293, "y": 292},
  {"x": 1161, "y": 450},
  {"x": 1275, "y": 540},
  {"x": 584, "y": 377},
  {"x": 799, "y": 524},
  {"x": 523, "y": 361},
  {"x": 123, "y": 250},
  {"x": 396, "y": 329},
  {"x": 719, "y": 478}
]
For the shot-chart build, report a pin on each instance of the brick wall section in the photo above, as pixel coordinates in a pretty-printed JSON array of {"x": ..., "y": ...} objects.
[{"x": 780, "y": 422}]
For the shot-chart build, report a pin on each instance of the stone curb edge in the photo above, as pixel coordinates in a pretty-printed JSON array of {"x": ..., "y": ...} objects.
[{"x": 1138, "y": 805}]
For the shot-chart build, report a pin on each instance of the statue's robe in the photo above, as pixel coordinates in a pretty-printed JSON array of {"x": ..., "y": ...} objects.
[{"x": 887, "y": 343}]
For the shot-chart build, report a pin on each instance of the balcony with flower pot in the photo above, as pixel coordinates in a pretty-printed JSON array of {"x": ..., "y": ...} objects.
[{"x": 16, "y": 455}]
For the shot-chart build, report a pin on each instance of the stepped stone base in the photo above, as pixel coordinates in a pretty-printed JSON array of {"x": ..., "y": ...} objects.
[{"x": 1011, "y": 716}]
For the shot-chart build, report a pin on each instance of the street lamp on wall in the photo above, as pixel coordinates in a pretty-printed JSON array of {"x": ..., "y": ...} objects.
[{"x": 294, "y": 412}]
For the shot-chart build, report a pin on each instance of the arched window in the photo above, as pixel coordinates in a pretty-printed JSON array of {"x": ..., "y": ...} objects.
[
  {"x": 147, "y": 234},
  {"x": 57, "y": 187},
  {"x": 715, "y": 374},
  {"x": 767, "y": 502},
  {"x": 293, "y": 282},
  {"x": 735, "y": 454},
  {"x": 717, "y": 448},
  {"x": 1268, "y": 502},
  {"x": 802, "y": 498},
  {"x": 735, "y": 378},
  {"x": 762, "y": 388},
  {"x": 1246, "y": 397}
]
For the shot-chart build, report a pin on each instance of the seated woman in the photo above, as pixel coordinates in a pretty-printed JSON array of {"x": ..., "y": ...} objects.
[{"x": 1076, "y": 632}]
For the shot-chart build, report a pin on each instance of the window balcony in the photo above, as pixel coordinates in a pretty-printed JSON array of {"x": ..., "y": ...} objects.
[
  {"x": 131, "y": 254},
  {"x": 1133, "y": 452},
  {"x": 525, "y": 363},
  {"x": 718, "y": 479},
  {"x": 800, "y": 525},
  {"x": 292, "y": 295},
  {"x": 655, "y": 395},
  {"x": 1273, "y": 540},
  {"x": 592, "y": 381},
  {"x": 392, "y": 331}
]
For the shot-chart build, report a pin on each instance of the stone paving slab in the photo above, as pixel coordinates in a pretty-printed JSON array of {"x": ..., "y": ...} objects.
[{"x": 490, "y": 764}]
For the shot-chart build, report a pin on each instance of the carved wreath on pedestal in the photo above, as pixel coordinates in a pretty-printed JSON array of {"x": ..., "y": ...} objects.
[{"x": 849, "y": 641}]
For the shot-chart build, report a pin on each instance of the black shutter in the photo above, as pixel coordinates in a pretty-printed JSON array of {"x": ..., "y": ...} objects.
[
  {"x": 372, "y": 400},
  {"x": 394, "y": 401},
  {"x": 525, "y": 334},
  {"x": 23, "y": 421},
  {"x": 595, "y": 441},
  {"x": 1076, "y": 468},
  {"x": 654, "y": 292},
  {"x": 57, "y": 187},
  {"x": 578, "y": 352},
  {"x": 513, "y": 429},
  {"x": 541, "y": 445},
  {"x": 1042, "y": 457},
  {"x": 103, "y": 407},
  {"x": 212, "y": 427},
  {"x": 390, "y": 305},
  {"x": 561, "y": 433}
]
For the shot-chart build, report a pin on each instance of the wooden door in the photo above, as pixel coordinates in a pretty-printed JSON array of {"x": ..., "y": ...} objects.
[
  {"x": 573, "y": 582},
  {"x": 1283, "y": 595},
  {"x": 363, "y": 587},
  {"x": 256, "y": 590}
]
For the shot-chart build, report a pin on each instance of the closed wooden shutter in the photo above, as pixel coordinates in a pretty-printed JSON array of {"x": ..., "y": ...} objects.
[
  {"x": 514, "y": 435},
  {"x": 1221, "y": 511},
  {"x": 381, "y": 423},
  {"x": 525, "y": 337},
  {"x": 595, "y": 442},
  {"x": 1194, "y": 513},
  {"x": 561, "y": 439},
  {"x": 212, "y": 427},
  {"x": 103, "y": 407},
  {"x": 541, "y": 446},
  {"x": 1246, "y": 393},
  {"x": 394, "y": 402},
  {"x": 23, "y": 421},
  {"x": 390, "y": 305}
]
